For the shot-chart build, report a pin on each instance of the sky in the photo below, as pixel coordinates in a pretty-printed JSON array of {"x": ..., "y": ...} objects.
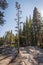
[{"x": 27, "y": 7}]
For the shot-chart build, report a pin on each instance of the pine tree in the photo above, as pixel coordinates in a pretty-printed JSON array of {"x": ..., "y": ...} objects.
[
  {"x": 36, "y": 25},
  {"x": 3, "y": 6},
  {"x": 27, "y": 31},
  {"x": 24, "y": 34},
  {"x": 30, "y": 34}
]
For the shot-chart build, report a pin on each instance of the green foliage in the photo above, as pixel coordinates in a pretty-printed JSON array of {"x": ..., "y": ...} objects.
[
  {"x": 9, "y": 37},
  {"x": 26, "y": 32},
  {"x": 1, "y": 41},
  {"x": 1, "y": 18},
  {"x": 3, "y": 6},
  {"x": 31, "y": 33},
  {"x": 36, "y": 26}
]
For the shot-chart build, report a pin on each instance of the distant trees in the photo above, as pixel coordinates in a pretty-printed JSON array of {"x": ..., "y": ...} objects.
[
  {"x": 9, "y": 37},
  {"x": 1, "y": 41}
]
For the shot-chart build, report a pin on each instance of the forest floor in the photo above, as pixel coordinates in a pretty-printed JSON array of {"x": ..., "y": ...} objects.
[{"x": 27, "y": 56}]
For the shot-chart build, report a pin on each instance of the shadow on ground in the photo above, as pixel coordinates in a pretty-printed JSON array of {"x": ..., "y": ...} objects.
[{"x": 7, "y": 52}]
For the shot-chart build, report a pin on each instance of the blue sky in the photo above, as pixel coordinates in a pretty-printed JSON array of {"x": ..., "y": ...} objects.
[{"x": 27, "y": 7}]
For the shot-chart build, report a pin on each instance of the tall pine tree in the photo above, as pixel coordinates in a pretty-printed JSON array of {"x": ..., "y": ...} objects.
[{"x": 36, "y": 26}]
